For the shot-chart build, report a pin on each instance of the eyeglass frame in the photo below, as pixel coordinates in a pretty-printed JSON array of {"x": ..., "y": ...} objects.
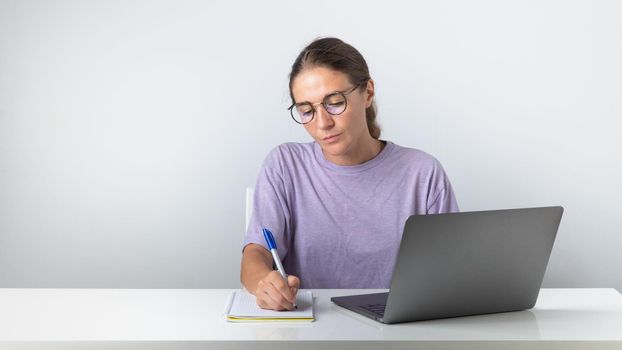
[{"x": 343, "y": 93}]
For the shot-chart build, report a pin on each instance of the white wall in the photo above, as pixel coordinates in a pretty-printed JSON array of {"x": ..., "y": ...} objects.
[{"x": 129, "y": 130}]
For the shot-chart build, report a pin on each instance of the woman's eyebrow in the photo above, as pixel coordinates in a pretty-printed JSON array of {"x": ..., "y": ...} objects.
[
  {"x": 330, "y": 93},
  {"x": 306, "y": 101}
]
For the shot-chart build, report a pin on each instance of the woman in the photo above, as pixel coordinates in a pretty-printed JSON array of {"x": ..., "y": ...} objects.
[{"x": 337, "y": 206}]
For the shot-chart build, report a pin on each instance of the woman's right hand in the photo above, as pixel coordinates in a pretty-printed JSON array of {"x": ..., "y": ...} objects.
[{"x": 273, "y": 293}]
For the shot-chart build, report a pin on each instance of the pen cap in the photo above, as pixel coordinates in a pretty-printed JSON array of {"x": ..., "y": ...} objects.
[{"x": 269, "y": 238}]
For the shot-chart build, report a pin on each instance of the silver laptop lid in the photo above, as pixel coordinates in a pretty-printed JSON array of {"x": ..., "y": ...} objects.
[{"x": 471, "y": 263}]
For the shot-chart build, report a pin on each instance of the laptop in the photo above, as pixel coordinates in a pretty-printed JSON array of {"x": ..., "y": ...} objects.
[{"x": 462, "y": 264}]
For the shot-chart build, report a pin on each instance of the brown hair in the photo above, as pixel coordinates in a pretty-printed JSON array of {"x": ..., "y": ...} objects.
[{"x": 337, "y": 55}]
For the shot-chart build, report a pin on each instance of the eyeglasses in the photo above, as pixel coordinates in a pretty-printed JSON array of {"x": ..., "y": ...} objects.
[{"x": 334, "y": 103}]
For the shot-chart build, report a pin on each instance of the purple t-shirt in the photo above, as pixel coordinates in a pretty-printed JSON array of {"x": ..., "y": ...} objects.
[{"x": 341, "y": 226}]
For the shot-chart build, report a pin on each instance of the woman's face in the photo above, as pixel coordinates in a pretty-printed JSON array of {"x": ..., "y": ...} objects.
[{"x": 340, "y": 136}]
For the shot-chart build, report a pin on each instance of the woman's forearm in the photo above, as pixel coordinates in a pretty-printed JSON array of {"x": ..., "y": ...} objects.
[{"x": 256, "y": 264}]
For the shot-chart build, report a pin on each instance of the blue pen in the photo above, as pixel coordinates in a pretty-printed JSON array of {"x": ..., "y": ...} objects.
[{"x": 275, "y": 256}]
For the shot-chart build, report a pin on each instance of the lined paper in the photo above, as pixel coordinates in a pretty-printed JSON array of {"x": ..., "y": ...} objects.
[{"x": 244, "y": 309}]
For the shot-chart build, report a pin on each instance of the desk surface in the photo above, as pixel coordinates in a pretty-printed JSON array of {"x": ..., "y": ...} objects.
[{"x": 173, "y": 318}]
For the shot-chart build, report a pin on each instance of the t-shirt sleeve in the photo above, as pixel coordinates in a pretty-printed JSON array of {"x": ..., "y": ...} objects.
[
  {"x": 270, "y": 210},
  {"x": 443, "y": 199}
]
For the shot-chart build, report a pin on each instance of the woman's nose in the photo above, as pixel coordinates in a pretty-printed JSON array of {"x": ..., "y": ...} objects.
[{"x": 324, "y": 119}]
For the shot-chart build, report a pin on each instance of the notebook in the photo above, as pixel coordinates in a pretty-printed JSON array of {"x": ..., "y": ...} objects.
[{"x": 242, "y": 307}]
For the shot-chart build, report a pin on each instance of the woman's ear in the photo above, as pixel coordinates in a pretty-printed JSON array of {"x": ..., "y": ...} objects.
[{"x": 369, "y": 93}]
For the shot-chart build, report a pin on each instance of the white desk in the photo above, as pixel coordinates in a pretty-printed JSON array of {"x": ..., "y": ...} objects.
[{"x": 192, "y": 319}]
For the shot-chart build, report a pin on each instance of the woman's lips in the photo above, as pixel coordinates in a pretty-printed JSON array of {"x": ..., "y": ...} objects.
[{"x": 331, "y": 138}]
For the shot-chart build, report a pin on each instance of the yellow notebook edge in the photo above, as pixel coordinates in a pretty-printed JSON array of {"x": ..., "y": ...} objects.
[{"x": 268, "y": 319}]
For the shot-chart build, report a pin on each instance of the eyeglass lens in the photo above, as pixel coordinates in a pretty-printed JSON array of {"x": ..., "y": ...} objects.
[{"x": 334, "y": 104}]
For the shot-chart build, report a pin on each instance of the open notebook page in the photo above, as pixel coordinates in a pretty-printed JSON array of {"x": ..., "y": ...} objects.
[{"x": 244, "y": 308}]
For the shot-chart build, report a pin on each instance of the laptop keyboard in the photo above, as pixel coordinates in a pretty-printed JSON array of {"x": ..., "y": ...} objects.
[{"x": 377, "y": 309}]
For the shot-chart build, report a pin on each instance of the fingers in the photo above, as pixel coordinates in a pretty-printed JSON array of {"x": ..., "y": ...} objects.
[
  {"x": 268, "y": 297},
  {"x": 294, "y": 282},
  {"x": 273, "y": 293},
  {"x": 278, "y": 299},
  {"x": 284, "y": 289}
]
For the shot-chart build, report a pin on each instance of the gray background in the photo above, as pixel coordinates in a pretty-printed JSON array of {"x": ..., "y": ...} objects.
[{"x": 129, "y": 130}]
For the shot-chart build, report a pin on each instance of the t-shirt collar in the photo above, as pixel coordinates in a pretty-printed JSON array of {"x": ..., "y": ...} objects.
[{"x": 352, "y": 169}]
